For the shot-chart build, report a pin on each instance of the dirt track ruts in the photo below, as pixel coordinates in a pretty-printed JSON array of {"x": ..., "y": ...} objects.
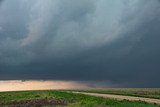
[{"x": 122, "y": 97}]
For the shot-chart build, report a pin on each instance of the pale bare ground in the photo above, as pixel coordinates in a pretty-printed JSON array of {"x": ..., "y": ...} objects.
[{"x": 122, "y": 97}]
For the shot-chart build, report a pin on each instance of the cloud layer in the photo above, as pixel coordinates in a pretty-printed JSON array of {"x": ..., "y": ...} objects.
[{"x": 103, "y": 40}]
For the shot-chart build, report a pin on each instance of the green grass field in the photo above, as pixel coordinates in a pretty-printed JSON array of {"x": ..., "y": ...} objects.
[
  {"x": 138, "y": 92},
  {"x": 71, "y": 100}
]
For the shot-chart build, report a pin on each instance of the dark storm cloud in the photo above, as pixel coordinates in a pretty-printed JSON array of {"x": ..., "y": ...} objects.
[
  {"x": 112, "y": 41},
  {"x": 1, "y": 1}
]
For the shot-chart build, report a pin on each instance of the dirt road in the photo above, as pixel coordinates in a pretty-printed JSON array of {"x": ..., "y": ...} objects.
[{"x": 122, "y": 97}]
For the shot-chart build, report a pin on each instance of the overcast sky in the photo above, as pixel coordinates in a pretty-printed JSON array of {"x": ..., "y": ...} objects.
[{"x": 115, "y": 41}]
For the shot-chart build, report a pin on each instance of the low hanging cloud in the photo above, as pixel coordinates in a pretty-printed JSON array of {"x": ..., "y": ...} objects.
[{"x": 80, "y": 40}]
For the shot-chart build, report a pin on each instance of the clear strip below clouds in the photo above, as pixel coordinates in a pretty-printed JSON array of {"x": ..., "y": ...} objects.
[{"x": 18, "y": 85}]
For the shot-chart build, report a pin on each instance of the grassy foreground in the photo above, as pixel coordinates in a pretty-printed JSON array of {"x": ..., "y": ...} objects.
[
  {"x": 71, "y": 100},
  {"x": 138, "y": 92}
]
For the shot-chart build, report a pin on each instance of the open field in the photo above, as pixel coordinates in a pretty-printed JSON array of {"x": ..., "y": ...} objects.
[
  {"x": 137, "y": 92},
  {"x": 58, "y": 98},
  {"x": 122, "y": 97}
]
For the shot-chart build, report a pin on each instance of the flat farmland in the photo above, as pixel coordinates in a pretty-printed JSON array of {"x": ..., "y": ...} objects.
[
  {"x": 137, "y": 92},
  {"x": 63, "y": 98}
]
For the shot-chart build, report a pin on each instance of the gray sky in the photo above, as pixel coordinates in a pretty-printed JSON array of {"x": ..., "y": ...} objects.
[{"x": 115, "y": 41}]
